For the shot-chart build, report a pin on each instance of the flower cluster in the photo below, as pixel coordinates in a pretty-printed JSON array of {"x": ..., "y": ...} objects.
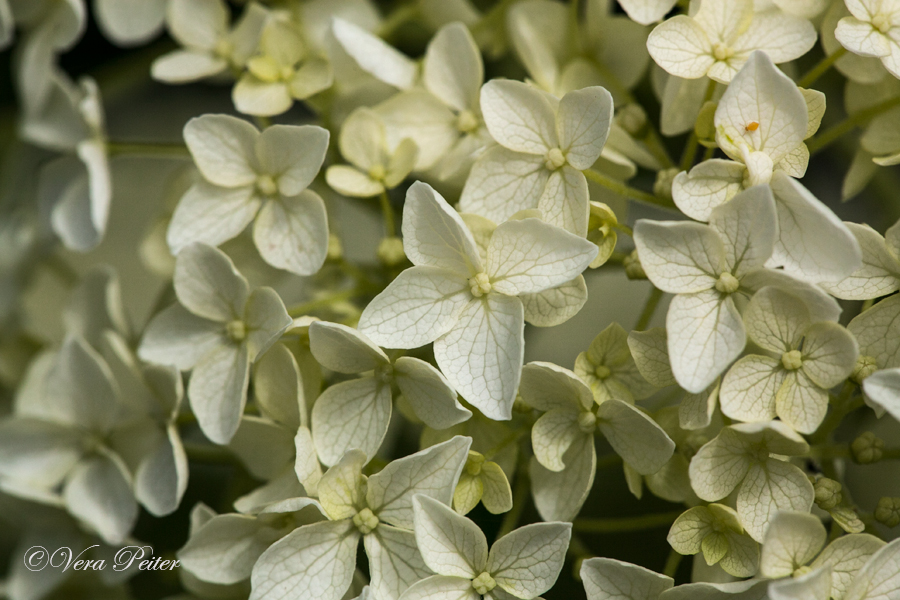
[{"x": 303, "y": 316}]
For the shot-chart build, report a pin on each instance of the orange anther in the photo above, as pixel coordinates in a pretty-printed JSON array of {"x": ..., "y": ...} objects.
[{"x": 752, "y": 126}]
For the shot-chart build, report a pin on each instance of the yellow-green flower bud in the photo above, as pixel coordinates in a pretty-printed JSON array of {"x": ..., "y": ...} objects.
[
  {"x": 828, "y": 493},
  {"x": 867, "y": 448},
  {"x": 888, "y": 511}
]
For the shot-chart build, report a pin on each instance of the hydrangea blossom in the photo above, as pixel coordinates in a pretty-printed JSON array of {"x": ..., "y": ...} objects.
[
  {"x": 719, "y": 38},
  {"x": 256, "y": 177},
  {"x": 708, "y": 266},
  {"x": 741, "y": 457},
  {"x": 378, "y": 510},
  {"x": 217, "y": 330},
  {"x": 356, "y": 413},
  {"x": 522, "y": 564},
  {"x": 209, "y": 45},
  {"x": 761, "y": 123},
  {"x": 471, "y": 308},
  {"x": 804, "y": 360},
  {"x": 872, "y": 31},
  {"x": 544, "y": 144},
  {"x": 716, "y": 531}
]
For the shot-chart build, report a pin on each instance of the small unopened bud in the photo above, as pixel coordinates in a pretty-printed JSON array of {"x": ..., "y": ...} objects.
[
  {"x": 335, "y": 248},
  {"x": 828, "y": 493},
  {"x": 867, "y": 448},
  {"x": 520, "y": 406},
  {"x": 474, "y": 463},
  {"x": 633, "y": 268},
  {"x": 888, "y": 511},
  {"x": 587, "y": 421},
  {"x": 662, "y": 187},
  {"x": 865, "y": 366},
  {"x": 632, "y": 119},
  {"x": 390, "y": 251}
]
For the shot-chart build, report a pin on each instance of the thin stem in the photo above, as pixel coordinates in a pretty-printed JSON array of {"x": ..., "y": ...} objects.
[
  {"x": 397, "y": 19},
  {"x": 651, "y": 521},
  {"x": 649, "y": 308},
  {"x": 833, "y": 133},
  {"x": 624, "y": 229},
  {"x": 626, "y": 190},
  {"x": 690, "y": 149},
  {"x": 62, "y": 269},
  {"x": 300, "y": 310},
  {"x": 495, "y": 14},
  {"x": 387, "y": 211},
  {"x": 657, "y": 149},
  {"x": 672, "y": 563},
  {"x": 829, "y": 451},
  {"x": 520, "y": 496},
  {"x": 821, "y": 68},
  {"x": 147, "y": 149}
]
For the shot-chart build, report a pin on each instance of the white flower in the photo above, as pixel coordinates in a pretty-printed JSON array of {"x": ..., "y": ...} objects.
[
  {"x": 522, "y": 564},
  {"x": 7, "y": 25},
  {"x": 761, "y": 123},
  {"x": 740, "y": 457},
  {"x": 363, "y": 142},
  {"x": 544, "y": 146},
  {"x": 356, "y": 413},
  {"x": 471, "y": 308},
  {"x": 876, "y": 332},
  {"x": 250, "y": 176},
  {"x": 856, "y": 68},
  {"x": 209, "y": 45},
  {"x": 855, "y": 566},
  {"x": 284, "y": 69},
  {"x": 716, "y": 531},
  {"x": 562, "y": 54},
  {"x": 879, "y": 274},
  {"x": 803, "y": 360},
  {"x": 444, "y": 119},
  {"x": 130, "y": 22},
  {"x": 706, "y": 265},
  {"x": 610, "y": 371},
  {"x": 570, "y": 420},
  {"x": 70, "y": 430},
  {"x": 872, "y": 31},
  {"x": 378, "y": 509},
  {"x": 720, "y": 37},
  {"x": 78, "y": 186},
  {"x": 217, "y": 328}
]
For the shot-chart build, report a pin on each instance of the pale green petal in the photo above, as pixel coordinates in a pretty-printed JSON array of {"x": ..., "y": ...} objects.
[
  {"x": 791, "y": 541},
  {"x": 343, "y": 349},
  {"x": 208, "y": 284},
  {"x": 429, "y": 393},
  {"x": 451, "y": 544},
  {"x": 527, "y": 561},
  {"x": 223, "y": 149},
  {"x": 351, "y": 414}
]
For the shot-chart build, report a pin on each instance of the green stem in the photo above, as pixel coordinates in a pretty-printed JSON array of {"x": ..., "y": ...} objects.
[
  {"x": 626, "y": 190},
  {"x": 820, "y": 69},
  {"x": 387, "y": 211},
  {"x": 649, "y": 308},
  {"x": 841, "y": 407},
  {"x": 496, "y": 13},
  {"x": 690, "y": 149},
  {"x": 672, "y": 563},
  {"x": 835, "y": 132},
  {"x": 300, "y": 310},
  {"x": 62, "y": 269},
  {"x": 147, "y": 149},
  {"x": 657, "y": 149},
  {"x": 397, "y": 19},
  {"x": 891, "y": 454},
  {"x": 609, "y": 460},
  {"x": 520, "y": 496},
  {"x": 624, "y": 229},
  {"x": 829, "y": 451},
  {"x": 651, "y": 521}
]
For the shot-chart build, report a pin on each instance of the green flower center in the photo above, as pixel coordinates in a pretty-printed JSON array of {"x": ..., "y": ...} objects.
[
  {"x": 236, "y": 330},
  {"x": 480, "y": 285},
  {"x": 266, "y": 185},
  {"x": 882, "y": 23},
  {"x": 587, "y": 422},
  {"x": 722, "y": 52},
  {"x": 484, "y": 583},
  {"x": 792, "y": 360},
  {"x": 554, "y": 159},
  {"x": 466, "y": 121},
  {"x": 602, "y": 372},
  {"x": 366, "y": 521},
  {"x": 727, "y": 283},
  {"x": 377, "y": 172}
]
